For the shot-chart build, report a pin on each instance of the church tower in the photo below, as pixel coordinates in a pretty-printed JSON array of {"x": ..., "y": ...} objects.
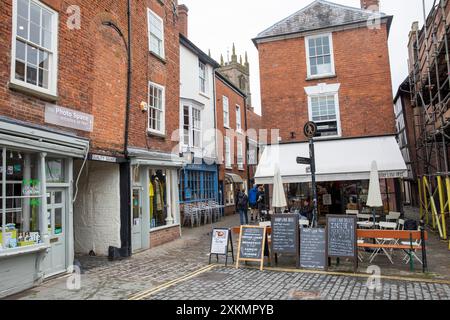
[{"x": 238, "y": 72}]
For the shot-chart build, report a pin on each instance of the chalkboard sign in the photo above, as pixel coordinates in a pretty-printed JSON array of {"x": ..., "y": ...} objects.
[
  {"x": 313, "y": 248},
  {"x": 285, "y": 229},
  {"x": 252, "y": 241},
  {"x": 221, "y": 243},
  {"x": 341, "y": 237}
]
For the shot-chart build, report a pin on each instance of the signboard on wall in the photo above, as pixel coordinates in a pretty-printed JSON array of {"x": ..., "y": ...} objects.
[{"x": 68, "y": 118}]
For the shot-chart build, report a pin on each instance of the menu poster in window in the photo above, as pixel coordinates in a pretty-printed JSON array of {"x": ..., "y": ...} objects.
[
  {"x": 313, "y": 248},
  {"x": 341, "y": 237},
  {"x": 327, "y": 200},
  {"x": 252, "y": 242}
]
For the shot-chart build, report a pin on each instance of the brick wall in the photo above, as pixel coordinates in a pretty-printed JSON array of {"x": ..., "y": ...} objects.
[
  {"x": 163, "y": 236},
  {"x": 148, "y": 67},
  {"x": 362, "y": 68},
  {"x": 222, "y": 89},
  {"x": 91, "y": 71}
]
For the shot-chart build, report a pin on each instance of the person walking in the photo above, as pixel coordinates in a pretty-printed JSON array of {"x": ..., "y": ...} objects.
[
  {"x": 242, "y": 205},
  {"x": 253, "y": 201},
  {"x": 261, "y": 202}
]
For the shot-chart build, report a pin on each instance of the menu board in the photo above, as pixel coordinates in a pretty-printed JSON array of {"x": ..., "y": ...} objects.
[
  {"x": 341, "y": 236},
  {"x": 312, "y": 248},
  {"x": 285, "y": 233},
  {"x": 219, "y": 241},
  {"x": 251, "y": 243}
]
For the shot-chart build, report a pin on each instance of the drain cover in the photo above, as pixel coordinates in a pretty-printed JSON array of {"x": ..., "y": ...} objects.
[{"x": 305, "y": 295}]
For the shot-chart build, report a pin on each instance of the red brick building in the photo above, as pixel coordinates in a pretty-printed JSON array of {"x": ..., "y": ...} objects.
[
  {"x": 86, "y": 142},
  {"x": 364, "y": 76},
  {"x": 230, "y": 106},
  {"x": 329, "y": 63}
]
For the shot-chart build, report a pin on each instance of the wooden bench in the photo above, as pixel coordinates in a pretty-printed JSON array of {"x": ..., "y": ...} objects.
[{"x": 412, "y": 237}]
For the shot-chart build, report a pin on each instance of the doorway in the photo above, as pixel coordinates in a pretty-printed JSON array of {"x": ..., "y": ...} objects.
[
  {"x": 55, "y": 260},
  {"x": 137, "y": 219}
]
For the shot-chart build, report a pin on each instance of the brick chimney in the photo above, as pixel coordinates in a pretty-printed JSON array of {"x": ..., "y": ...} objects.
[
  {"x": 373, "y": 5},
  {"x": 183, "y": 19}
]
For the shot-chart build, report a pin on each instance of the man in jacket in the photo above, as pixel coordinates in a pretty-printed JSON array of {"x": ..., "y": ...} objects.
[
  {"x": 242, "y": 205},
  {"x": 253, "y": 201}
]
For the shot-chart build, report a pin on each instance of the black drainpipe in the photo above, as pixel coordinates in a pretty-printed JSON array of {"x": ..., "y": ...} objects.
[
  {"x": 125, "y": 166},
  {"x": 247, "y": 144}
]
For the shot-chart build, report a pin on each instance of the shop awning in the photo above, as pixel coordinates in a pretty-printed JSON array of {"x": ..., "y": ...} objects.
[
  {"x": 155, "y": 159},
  {"x": 336, "y": 160},
  {"x": 234, "y": 177},
  {"x": 28, "y": 138}
]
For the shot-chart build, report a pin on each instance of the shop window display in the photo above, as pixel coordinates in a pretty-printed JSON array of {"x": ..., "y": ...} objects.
[
  {"x": 158, "y": 198},
  {"x": 20, "y": 201}
]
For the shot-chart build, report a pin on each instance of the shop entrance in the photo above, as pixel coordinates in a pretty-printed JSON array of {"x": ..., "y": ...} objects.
[
  {"x": 55, "y": 260},
  {"x": 137, "y": 219}
]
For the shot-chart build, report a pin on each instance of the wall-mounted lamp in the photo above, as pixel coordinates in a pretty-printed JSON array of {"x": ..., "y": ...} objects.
[{"x": 188, "y": 156}]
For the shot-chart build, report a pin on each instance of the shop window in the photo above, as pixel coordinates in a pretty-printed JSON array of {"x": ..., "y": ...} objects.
[
  {"x": 158, "y": 192},
  {"x": 34, "y": 46},
  {"x": 197, "y": 186},
  {"x": 229, "y": 192},
  {"x": 20, "y": 201},
  {"x": 54, "y": 170}
]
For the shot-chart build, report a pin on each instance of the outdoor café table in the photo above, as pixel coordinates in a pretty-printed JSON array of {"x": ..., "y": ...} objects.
[{"x": 368, "y": 224}]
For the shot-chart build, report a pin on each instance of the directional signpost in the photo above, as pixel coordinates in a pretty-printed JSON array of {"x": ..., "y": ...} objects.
[{"x": 310, "y": 131}]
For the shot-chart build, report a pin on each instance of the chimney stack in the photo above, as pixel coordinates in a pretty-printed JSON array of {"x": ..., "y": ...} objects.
[
  {"x": 183, "y": 19},
  {"x": 373, "y": 5}
]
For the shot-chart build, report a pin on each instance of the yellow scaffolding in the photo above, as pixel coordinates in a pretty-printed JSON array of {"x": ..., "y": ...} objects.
[{"x": 428, "y": 207}]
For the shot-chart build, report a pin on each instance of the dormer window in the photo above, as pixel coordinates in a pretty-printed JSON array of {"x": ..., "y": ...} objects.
[{"x": 319, "y": 52}]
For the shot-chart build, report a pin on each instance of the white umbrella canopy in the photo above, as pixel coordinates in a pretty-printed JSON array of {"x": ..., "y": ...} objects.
[
  {"x": 278, "y": 197},
  {"x": 374, "y": 198}
]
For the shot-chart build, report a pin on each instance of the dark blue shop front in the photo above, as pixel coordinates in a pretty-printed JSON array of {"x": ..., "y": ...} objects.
[{"x": 198, "y": 183}]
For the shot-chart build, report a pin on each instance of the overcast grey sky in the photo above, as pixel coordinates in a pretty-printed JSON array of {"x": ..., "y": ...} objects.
[{"x": 215, "y": 24}]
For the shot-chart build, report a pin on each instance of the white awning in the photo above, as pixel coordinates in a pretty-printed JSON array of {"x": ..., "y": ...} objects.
[
  {"x": 234, "y": 177},
  {"x": 336, "y": 160}
]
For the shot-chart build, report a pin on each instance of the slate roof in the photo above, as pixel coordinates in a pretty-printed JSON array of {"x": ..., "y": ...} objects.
[{"x": 318, "y": 15}]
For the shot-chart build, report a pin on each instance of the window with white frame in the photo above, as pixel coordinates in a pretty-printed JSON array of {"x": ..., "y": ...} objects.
[
  {"x": 320, "y": 60},
  {"x": 192, "y": 126},
  {"x": 325, "y": 114},
  {"x": 34, "y": 46},
  {"x": 240, "y": 155},
  {"x": 156, "y": 108},
  {"x": 202, "y": 77},
  {"x": 238, "y": 118},
  {"x": 228, "y": 163},
  {"x": 226, "y": 112},
  {"x": 155, "y": 33}
]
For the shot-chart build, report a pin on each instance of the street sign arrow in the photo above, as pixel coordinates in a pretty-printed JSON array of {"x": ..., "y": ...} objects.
[{"x": 305, "y": 161}]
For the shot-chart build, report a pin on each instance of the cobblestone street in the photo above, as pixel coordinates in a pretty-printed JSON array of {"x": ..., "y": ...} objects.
[
  {"x": 177, "y": 271},
  {"x": 251, "y": 284}
]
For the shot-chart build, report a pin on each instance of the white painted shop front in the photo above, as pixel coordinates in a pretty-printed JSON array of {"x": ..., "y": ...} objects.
[{"x": 36, "y": 211}]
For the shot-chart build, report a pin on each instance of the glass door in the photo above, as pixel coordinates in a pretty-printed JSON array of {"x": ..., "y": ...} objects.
[
  {"x": 55, "y": 261},
  {"x": 137, "y": 219}
]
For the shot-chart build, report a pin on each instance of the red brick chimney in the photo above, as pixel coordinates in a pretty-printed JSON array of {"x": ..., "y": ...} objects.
[
  {"x": 373, "y": 5},
  {"x": 183, "y": 19}
]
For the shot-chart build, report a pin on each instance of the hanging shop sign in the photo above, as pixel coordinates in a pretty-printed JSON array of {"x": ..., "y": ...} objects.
[
  {"x": 69, "y": 118},
  {"x": 285, "y": 233},
  {"x": 221, "y": 244},
  {"x": 252, "y": 245},
  {"x": 341, "y": 238},
  {"x": 313, "y": 248}
]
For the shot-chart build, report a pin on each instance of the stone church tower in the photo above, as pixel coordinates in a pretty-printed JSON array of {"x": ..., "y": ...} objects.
[{"x": 238, "y": 72}]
